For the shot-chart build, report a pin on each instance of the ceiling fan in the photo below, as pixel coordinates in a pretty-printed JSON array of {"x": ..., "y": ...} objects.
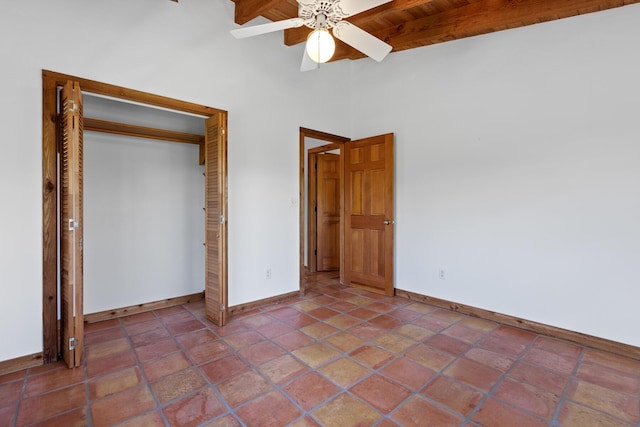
[{"x": 321, "y": 16}]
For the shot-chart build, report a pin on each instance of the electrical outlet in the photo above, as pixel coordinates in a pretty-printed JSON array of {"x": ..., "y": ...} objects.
[
  {"x": 441, "y": 274},
  {"x": 268, "y": 274}
]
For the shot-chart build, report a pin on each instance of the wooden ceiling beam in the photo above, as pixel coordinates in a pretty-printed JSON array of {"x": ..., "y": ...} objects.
[
  {"x": 483, "y": 17},
  {"x": 246, "y": 10},
  {"x": 293, "y": 36},
  {"x": 344, "y": 51},
  {"x": 393, "y": 7}
]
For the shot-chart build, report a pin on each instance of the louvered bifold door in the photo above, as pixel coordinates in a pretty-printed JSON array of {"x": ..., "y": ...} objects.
[
  {"x": 215, "y": 219},
  {"x": 71, "y": 223}
]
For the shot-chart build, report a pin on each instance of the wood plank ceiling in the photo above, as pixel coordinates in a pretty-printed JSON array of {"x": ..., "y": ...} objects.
[{"x": 407, "y": 24}]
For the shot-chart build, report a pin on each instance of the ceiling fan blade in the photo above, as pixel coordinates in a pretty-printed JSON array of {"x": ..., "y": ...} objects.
[
  {"x": 241, "y": 33},
  {"x": 353, "y": 7},
  {"x": 308, "y": 64},
  {"x": 361, "y": 40}
]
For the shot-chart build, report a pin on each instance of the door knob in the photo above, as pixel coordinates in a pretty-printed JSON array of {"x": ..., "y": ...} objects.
[{"x": 389, "y": 222}]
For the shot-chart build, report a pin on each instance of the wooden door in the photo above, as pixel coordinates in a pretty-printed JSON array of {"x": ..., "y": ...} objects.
[
  {"x": 328, "y": 211},
  {"x": 369, "y": 229},
  {"x": 71, "y": 223},
  {"x": 215, "y": 219}
]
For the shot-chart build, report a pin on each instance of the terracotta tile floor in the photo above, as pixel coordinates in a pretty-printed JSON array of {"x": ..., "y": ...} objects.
[{"x": 337, "y": 357}]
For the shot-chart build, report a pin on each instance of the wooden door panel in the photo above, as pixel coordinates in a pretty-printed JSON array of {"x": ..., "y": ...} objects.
[
  {"x": 329, "y": 246},
  {"x": 71, "y": 223},
  {"x": 355, "y": 156},
  {"x": 357, "y": 192},
  {"x": 376, "y": 152},
  {"x": 368, "y": 222},
  {"x": 215, "y": 220},
  {"x": 369, "y": 213},
  {"x": 377, "y": 253},
  {"x": 376, "y": 187},
  {"x": 328, "y": 212},
  {"x": 367, "y": 248},
  {"x": 357, "y": 252}
]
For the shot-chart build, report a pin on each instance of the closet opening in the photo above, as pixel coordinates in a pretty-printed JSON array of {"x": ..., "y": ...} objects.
[{"x": 203, "y": 132}]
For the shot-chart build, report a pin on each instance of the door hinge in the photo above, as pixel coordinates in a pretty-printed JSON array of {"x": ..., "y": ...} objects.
[
  {"x": 223, "y": 220},
  {"x": 223, "y": 130},
  {"x": 72, "y": 343},
  {"x": 70, "y": 105},
  {"x": 73, "y": 224},
  {"x": 222, "y": 307}
]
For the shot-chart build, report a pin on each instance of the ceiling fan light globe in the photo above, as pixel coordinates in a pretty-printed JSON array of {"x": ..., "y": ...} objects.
[{"x": 320, "y": 45}]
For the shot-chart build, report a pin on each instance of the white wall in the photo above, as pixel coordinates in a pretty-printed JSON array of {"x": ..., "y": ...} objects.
[
  {"x": 183, "y": 51},
  {"x": 144, "y": 224},
  {"x": 517, "y": 169}
]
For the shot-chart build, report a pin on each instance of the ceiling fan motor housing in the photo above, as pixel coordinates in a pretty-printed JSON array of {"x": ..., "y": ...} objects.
[{"x": 321, "y": 14}]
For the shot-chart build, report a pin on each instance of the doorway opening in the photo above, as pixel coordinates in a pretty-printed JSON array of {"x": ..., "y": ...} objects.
[
  {"x": 352, "y": 227},
  {"x": 212, "y": 153},
  {"x": 323, "y": 207},
  {"x": 312, "y": 144}
]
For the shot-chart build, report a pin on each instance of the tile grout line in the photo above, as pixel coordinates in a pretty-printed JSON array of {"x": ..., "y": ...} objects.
[
  {"x": 342, "y": 390},
  {"x": 19, "y": 402},
  {"x": 142, "y": 374},
  {"x": 208, "y": 383},
  {"x": 342, "y": 355},
  {"x": 417, "y": 393},
  {"x": 256, "y": 369},
  {"x": 373, "y": 343},
  {"x": 440, "y": 373},
  {"x": 574, "y": 377},
  {"x": 48, "y": 392},
  {"x": 565, "y": 392},
  {"x": 503, "y": 376},
  {"x": 266, "y": 378},
  {"x": 280, "y": 388},
  {"x": 376, "y": 371},
  {"x": 86, "y": 391}
]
